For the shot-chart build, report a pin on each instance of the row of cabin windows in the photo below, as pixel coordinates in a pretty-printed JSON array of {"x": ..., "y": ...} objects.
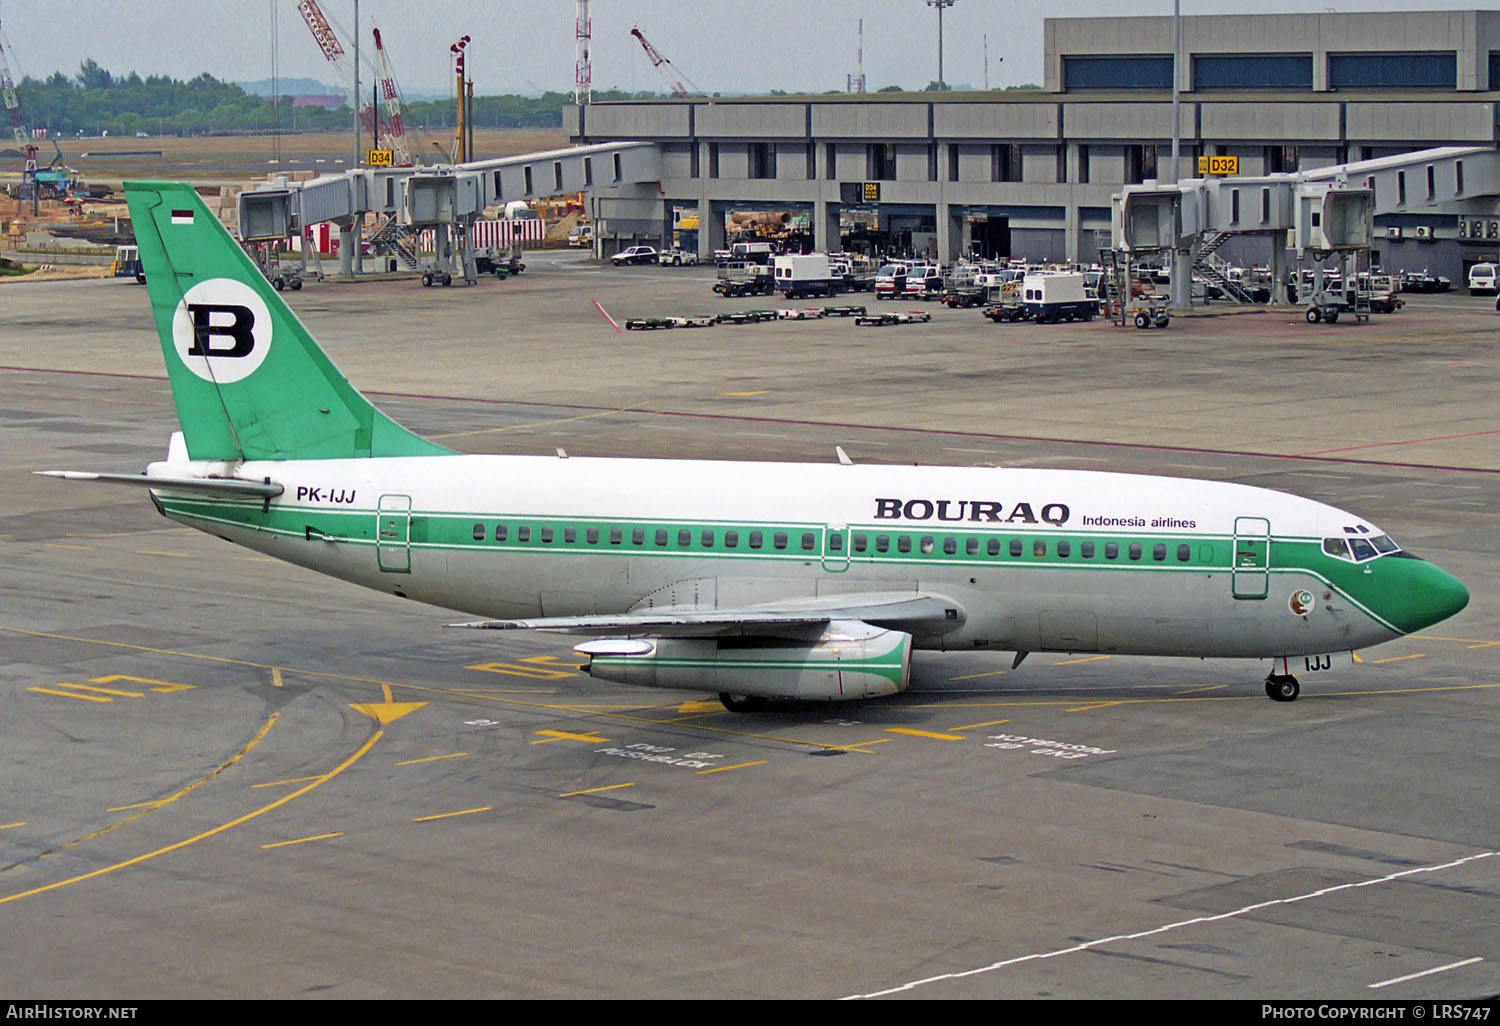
[
  {"x": 861, "y": 542},
  {"x": 661, "y": 537}
]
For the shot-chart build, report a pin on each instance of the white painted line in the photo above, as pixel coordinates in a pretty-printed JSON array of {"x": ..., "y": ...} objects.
[
  {"x": 1168, "y": 928},
  {"x": 1425, "y": 972}
]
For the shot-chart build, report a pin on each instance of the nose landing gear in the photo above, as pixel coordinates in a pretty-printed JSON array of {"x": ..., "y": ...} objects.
[{"x": 1282, "y": 687}]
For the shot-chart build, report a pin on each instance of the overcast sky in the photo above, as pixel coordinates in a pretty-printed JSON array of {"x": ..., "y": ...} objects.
[{"x": 725, "y": 46}]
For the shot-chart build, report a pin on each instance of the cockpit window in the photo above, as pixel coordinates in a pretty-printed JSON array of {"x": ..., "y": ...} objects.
[{"x": 1358, "y": 550}]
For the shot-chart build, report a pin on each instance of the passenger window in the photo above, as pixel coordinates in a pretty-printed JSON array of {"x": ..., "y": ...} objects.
[
  {"x": 779, "y": 540},
  {"x": 731, "y": 539},
  {"x": 616, "y": 536},
  {"x": 1184, "y": 553},
  {"x": 993, "y": 547},
  {"x": 950, "y": 546},
  {"x": 1064, "y": 549},
  {"x": 591, "y": 536},
  {"x": 547, "y": 536},
  {"x": 927, "y": 545},
  {"x": 523, "y": 533},
  {"x": 971, "y": 546},
  {"x": 661, "y": 536},
  {"x": 1111, "y": 550},
  {"x": 479, "y": 532},
  {"x": 882, "y": 543},
  {"x": 756, "y": 539},
  {"x": 706, "y": 539},
  {"x": 1016, "y": 548},
  {"x": 1039, "y": 548},
  {"x": 570, "y": 535},
  {"x": 500, "y": 532},
  {"x": 903, "y": 543},
  {"x": 638, "y": 536},
  {"x": 809, "y": 541},
  {"x": 1086, "y": 550},
  {"x": 684, "y": 539},
  {"x": 1135, "y": 550},
  {"x": 1159, "y": 552},
  {"x": 836, "y": 542},
  {"x": 861, "y": 542}
]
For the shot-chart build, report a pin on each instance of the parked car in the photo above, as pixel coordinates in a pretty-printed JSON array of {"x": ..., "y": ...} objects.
[
  {"x": 1482, "y": 280},
  {"x": 678, "y": 258},
  {"x": 634, "y": 255}
]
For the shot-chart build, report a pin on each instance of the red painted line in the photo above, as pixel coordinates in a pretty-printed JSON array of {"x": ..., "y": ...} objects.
[
  {"x": 1409, "y": 441},
  {"x": 607, "y": 317}
]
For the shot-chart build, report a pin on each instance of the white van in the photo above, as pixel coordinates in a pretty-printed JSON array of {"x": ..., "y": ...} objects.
[{"x": 1482, "y": 280}]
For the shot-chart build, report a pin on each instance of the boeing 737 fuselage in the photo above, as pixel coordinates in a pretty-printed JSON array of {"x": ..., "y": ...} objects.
[{"x": 757, "y": 581}]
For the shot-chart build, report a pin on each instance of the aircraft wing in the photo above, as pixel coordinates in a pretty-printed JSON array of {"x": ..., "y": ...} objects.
[{"x": 896, "y": 610}]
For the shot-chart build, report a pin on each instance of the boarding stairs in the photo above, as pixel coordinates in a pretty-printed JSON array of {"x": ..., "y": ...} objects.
[
  {"x": 1213, "y": 270},
  {"x": 398, "y": 240}
]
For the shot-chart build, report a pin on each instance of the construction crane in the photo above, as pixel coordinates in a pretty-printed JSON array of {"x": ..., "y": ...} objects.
[
  {"x": 12, "y": 105},
  {"x": 369, "y": 113},
  {"x": 668, "y": 70}
]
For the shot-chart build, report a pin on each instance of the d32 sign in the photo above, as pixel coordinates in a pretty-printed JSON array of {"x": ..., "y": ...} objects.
[{"x": 1218, "y": 165}]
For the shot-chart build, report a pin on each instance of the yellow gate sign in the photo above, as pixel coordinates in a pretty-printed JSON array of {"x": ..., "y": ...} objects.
[
  {"x": 872, "y": 192},
  {"x": 384, "y": 158},
  {"x": 1218, "y": 165}
]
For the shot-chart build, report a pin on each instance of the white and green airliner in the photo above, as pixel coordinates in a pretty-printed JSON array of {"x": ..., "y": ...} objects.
[{"x": 760, "y": 582}]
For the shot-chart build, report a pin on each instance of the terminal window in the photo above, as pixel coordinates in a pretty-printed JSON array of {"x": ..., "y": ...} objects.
[
  {"x": 1117, "y": 72},
  {"x": 1393, "y": 70},
  {"x": 882, "y": 162},
  {"x": 1253, "y": 71}
]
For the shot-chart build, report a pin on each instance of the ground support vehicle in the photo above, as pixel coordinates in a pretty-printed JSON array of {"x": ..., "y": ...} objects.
[
  {"x": 969, "y": 295},
  {"x": 1151, "y": 314},
  {"x": 844, "y": 311},
  {"x": 812, "y": 313},
  {"x": 502, "y": 267},
  {"x": 1382, "y": 290},
  {"x": 805, "y": 274},
  {"x": 924, "y": 282},
  {"x": 431, "y": 278},
  {"x": 1483, "y": 280},
  {"x": 650, "y": 323},
  {"x": 1005, "y": 312},
  {"x": 1057, "y": 297},
  {"x": 696, "y": 321},
  {"x": 280, "y": 279},
  {"x": 757, "y": 285},
  {"x": 1327, "y": 304},
  {"x": 884, "y": 320},
  {"x": 127, "y": 264},
  {"x": 678, "y": 258},
  {"x": 746, "y": 317}
]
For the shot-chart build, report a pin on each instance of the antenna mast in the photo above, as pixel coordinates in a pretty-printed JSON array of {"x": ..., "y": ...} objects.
[{"x": 583, "y": 69}]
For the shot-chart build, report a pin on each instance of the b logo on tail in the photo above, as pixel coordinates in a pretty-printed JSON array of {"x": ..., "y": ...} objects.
[{"x": 222, "y": 330}]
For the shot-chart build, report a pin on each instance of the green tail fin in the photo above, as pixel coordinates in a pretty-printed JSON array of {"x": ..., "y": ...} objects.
[{"x": 248, "y": 379}]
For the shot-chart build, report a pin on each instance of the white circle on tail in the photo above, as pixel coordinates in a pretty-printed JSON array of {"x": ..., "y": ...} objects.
[{"x": 222, "y": 330}]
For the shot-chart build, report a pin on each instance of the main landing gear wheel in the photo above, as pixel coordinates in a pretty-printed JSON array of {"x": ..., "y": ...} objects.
[
  {"x": 1282, "y": 687},
  {"x": 741, "y": 703}
]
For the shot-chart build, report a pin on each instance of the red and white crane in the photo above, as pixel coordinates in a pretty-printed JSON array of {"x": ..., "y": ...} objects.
[
  {"x": 370, "y": 113},
  {"x": 12, "y": 105},
  {"x": 675, "y": 79}
]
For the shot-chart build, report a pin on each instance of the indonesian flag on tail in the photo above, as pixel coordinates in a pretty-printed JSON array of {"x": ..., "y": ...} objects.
[{"x": 182, "y": 217}]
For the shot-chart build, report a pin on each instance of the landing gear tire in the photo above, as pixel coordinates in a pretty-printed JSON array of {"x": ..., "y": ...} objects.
[
  {"x": 1282, "y": 688},
  {"x": 426, "y": 281},
  {"x": 740, "y": 703}
]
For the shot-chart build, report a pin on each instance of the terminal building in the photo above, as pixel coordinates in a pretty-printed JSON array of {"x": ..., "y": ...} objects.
[{"x": 1030, "y": 173}]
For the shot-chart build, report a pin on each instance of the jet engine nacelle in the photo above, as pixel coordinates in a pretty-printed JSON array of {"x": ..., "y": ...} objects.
[{"x": 849, "y": 660}]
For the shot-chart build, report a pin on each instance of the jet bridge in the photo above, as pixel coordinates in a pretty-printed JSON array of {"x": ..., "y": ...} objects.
[
  {"x": 1325, "y": 211},
  {"x": 448, "y": 198}
]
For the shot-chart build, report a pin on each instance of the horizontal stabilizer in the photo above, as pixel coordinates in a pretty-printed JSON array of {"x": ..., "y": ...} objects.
[
  {"x": 212, "y": 485},
  {"x": 903, "y": 609}
]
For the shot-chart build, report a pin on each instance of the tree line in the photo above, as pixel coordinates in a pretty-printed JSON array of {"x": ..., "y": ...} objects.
[{"x": 95, "y": 101}]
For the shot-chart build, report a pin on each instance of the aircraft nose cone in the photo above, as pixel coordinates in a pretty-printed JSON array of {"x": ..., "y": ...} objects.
[{"x": 1437, "y": 595}]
